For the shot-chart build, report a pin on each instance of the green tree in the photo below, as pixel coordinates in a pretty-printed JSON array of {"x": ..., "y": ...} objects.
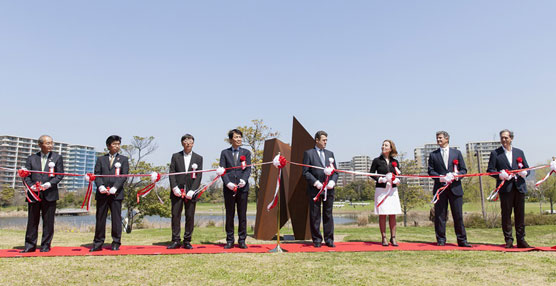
[
  {"x": 153, "y": 204},
  {"x": 359, "y": 190},
  {"x": 7, "y": 195},
  {"x": 411, "y": 195},
  {"x": 254, "y": 137}
]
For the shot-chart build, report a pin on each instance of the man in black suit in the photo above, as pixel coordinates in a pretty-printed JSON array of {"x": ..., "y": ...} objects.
[
  {"x": 512, "y": 193},
  {"x": 441, "y": 163},
  {"x": 45, "y": 161},
  {"x": 110, "y": 193},
  {"x": 236, "y": 187},
  {"x": 319, "y": 156},
  {"x": 183, "y": 189}
]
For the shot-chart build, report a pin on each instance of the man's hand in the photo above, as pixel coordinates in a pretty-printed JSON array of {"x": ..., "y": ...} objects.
[
  {"x": 318, "y": 185},
  {"x": 46, "y": 186},
  {"x": 102, "y": 189},
  {"x": 523, "y": 174},
  {"x": 241, "y": 183},
  {"x": 331, "y": 185},
  {"x": 503, "y": 175},
  {"x": 113, "y": 191},
  {"x": 231, "y": 186},
  {"x": 189, "y": 195}
]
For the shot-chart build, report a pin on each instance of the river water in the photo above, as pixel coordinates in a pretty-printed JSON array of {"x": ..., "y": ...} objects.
[{"x": 89, "y": 220}]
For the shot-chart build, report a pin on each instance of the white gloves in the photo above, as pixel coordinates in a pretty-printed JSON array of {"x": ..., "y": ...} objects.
[
  {"x": 189, "y": 195},
  {"x": 241, "y": 183},
  {"x": 331, "y": 185},
  {"x": 523, "y": 174},
  {"x": 448, "y": 178},
  {"x": 396, "y": 181},
  {"x": 46, "y": 186},
  {"x": 553, "y": 166},
  {"x": 102, "y": 189},
  {"x": 503, "y": 175},
  {"x": 382, "y": 180},
  {"x": 176, "y": 191},
  {"x": 318, "y": 185},
  {"x": 231, "y": 186},
  {"x": 113, "y": 190}
]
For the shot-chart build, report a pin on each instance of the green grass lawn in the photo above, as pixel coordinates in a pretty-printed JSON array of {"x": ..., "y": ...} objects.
[{"x": 366, "y": 268}]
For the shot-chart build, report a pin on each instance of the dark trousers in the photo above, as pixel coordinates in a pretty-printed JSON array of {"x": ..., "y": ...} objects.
[
  {"x": 177, "y": 207},
  {"x": 515, "y": 200},
  {"x": 34, "y": 212},
  {"x": 115, "y": 207},
  {"x": 327, "y": 219},
  {"x": 441, "y": 213},
  {"x": 231, "y": 202}
]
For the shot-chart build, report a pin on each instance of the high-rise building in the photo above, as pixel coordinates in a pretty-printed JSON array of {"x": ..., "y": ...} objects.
[
  {"x": 345, "y": 178},
  {"x": 483, "y": 149},
  {"x": 358, "y": 163},
  {"x": 14, "y": 150}
]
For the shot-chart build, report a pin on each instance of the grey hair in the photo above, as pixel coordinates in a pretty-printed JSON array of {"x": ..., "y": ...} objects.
[
  {"x": 509, "y": 132},
  {"x": 43, "y": 136},
  {"x": 443, "y": 133}
]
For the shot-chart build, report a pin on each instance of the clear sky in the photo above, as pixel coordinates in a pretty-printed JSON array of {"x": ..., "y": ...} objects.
[{"x": 363, "y": 71}]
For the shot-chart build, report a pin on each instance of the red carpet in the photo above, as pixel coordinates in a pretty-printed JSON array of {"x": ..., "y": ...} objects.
[{"x": 261, "y": 248}]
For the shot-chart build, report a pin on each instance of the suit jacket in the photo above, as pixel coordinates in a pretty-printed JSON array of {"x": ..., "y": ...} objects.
[
  {"x": 102, "y": 167},
  {"x": 311, "y": 157},
  {"x": 437, "y": 168},
  {"x": 498, "y": 162},
  {"x": 380, "y": 166},
  {"x": 34, "y": 163},
  {"x": 185, "y": 181},
  {"x": 227, "y": 160}
]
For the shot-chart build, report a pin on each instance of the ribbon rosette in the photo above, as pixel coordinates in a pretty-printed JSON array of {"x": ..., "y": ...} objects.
[
  {"x": 243, "y": 164},
  {"x": 155, "y": 177},
  {"x": 194, "y": 167},
  {"x": 118, "y": 165},
  {"x": 51, "y": 166},
  {"x": 91, "y": 179},
  {"x": 278, "y": 162}
]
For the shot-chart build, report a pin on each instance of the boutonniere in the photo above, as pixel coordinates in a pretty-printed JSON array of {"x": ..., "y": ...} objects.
[
  {"x": 519, "y": 162},
  {"x": 118, "y": 165},
  {"x": 456, "y": 163},
  {"x": 51, "y": 166},
  {"x": 194, "y": 168},
  {"x": 243, "y": 164}
]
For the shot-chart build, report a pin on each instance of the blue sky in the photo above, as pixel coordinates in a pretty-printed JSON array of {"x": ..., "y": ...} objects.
[{"x": 363, "y": 71}]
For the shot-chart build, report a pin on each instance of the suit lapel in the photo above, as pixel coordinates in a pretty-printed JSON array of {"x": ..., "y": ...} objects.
[{"x": 514, "y": 159}]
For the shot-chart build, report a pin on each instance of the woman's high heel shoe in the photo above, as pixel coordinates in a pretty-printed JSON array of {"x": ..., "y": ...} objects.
[{"x": 392, "y": 241}]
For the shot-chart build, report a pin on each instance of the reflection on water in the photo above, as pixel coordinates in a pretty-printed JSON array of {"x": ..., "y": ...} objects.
[{"x": 89, "y": 220}]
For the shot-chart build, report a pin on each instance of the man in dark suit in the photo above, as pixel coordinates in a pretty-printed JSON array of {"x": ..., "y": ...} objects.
[
  {"x": 512, "y": 193},
  {"x": 110, "y": 193},
  {"x": 45, "y": 161},
  {"x": 183, "y": 188},
  {"x": 319, "y": 156},
  {"x": 236, "y": 187},
  {"x": 441, "y": 163}
]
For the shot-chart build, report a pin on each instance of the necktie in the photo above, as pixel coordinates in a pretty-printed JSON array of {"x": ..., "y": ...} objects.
[
  {"x": 321, "y": 155},
  {"x": 43, "y": 162},
  {"x": 111, "y": 160},
  {"x": 445, "y": 157},
  {"x": 236, "y": 153}
]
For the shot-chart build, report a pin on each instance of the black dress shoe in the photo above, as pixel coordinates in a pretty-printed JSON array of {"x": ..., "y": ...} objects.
[
  {"x": 317, "y": 244},
  {"x": 187, "y": 245},
  {"x": 95, "y": 248},
  {"x": 330, "y": 244},
  {"x": 229, "y": 245},
  {"x": 115, "y": 247},
  {"x": 441, "y": 243},
  {"x": 174, "y": 245},
  {"x": 45, "y": 249},
  {"x": 26, "y": 250},
  {"x": 464, "y": 244},
  {"x": 523, "y": 244},
  {"x": 509, "y": 244},
  {"x": 242, "y": 245}
]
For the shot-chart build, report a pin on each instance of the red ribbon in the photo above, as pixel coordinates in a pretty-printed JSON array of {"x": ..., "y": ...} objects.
[
  {"x": 146, "y": 190},
  {"x": 243, "y": 164},
  {"x": 87, "y": 200}
]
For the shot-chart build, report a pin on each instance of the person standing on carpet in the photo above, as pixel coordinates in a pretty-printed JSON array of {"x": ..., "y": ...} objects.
[
  {"x": 236, "y": 187},
  {"x": 183, "y": 190},
  {"x": 316, "y": 178},
  {"x": 386, "y": 192},
  {"x": 110, "y": 193},
  {"x": 512, "y": 193},
  {"x": 47, "y": 187},
  {"x": 444, "y": 162}
]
